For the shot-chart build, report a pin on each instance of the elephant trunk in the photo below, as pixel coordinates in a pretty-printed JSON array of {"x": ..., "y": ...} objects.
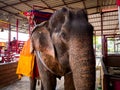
[{"x": 82, "y": 61}]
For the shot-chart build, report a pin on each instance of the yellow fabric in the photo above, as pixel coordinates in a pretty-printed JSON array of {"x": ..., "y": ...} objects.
[
  {"x": 26, "y": 61},
  {"x": 26, "y": 49}
]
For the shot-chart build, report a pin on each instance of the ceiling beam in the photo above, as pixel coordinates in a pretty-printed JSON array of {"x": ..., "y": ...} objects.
[
  {"x": 72, "y": 3},
  {"x": 64, "y": 3},
  {"x": 59, "y": 5},
  {"x": 107, "y": 29},
  {"x": 98, "y": 21},
  {"x": 42, "y": 8},
  {"x": 16, "y": 3},
  {"x": 16, "y": 14},
  {"x": 47, "y": 5},
  {"x": 26, "y": 4},
  {"x": 84, "y": 5},
  {"x": 98, "y": 4},
  {"x": 105, "y": 25},
  {"x": 10, "y": 6}
]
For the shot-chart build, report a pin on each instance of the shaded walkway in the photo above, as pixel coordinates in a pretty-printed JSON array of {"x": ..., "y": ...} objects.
[{"x": 24, "y": 84}]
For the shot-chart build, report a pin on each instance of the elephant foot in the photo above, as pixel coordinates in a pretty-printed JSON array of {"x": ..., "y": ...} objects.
[
  {"x": 41, "y": 86},
  {"x": 33, "y": 84},
  {"x": 68, "y": 82}
]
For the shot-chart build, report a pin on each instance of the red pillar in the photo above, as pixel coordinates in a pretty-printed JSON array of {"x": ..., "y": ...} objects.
[
  {"x": 9, "y": 38},
  {"x": 102, "y": 37},
  {"x": 95, "y": 43},
  {"x": 17, "y": 35}
]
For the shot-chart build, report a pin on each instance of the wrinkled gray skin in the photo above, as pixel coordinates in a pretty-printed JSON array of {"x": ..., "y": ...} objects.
[{"x": 66, "y": 46}]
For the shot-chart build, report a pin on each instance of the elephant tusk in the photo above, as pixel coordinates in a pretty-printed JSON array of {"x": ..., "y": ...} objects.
[{"x": 41, "y": 60}]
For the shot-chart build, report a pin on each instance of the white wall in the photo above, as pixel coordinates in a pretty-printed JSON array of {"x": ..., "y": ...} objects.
[{"x": 21, "y": 36}]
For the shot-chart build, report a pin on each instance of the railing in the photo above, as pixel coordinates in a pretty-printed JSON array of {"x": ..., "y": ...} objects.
[
  {"x": 8, "y": 73},
  {"x": 110, "y": 80},
  {"x": 8, "y": 57},
  {"x": 12, "y": 54}
]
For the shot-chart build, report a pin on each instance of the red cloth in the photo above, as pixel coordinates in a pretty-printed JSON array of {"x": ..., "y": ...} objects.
[
  {"x": 118, "y": 2},
  {"x": 35, "y": 70},
  {"x": 27, "y": 13},
  {"x": 37, "y": 16},
  {"x": 116, "y": 85}
]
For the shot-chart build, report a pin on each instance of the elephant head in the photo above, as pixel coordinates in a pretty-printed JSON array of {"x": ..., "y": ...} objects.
[
  {"x": 74, "y": 45},
  {"x": 67, "y": 41}
]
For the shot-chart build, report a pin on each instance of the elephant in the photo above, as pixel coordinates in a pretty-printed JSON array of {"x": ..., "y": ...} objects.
[{"x": 64, "y": 47}]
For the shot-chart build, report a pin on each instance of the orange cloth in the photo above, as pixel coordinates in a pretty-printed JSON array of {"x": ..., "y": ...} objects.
[{"x": 26, "y": 61}]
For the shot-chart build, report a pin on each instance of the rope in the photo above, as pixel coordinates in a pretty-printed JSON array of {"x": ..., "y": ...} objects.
[{"x": 41, "y": 60}]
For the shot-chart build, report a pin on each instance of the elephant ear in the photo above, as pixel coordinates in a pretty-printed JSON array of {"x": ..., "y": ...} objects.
[
  {"x": 32, "y": 48},
  {"x": 82, "y": 14},
  {"x": 41, "y": 40},
  {"x": 67, "y": 13}
]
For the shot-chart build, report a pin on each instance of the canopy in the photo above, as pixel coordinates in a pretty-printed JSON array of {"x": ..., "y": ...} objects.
[{"x": 38, "y": 15}]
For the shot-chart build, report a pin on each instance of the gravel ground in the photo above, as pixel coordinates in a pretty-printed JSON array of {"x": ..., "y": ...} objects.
[{"x": 23, "y": 84}]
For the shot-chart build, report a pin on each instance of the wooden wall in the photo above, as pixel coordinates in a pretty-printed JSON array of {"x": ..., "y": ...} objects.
[
  {"x": 8, "y": 74},
  {"x": 109, "y": 80},
  {"x": 112, "y": 61}
]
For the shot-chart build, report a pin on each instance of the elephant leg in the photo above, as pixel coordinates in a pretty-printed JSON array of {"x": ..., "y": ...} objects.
[
  {"x": 48, "y": 85},
  {"x": 48, "y": 79},
  {"x": 41, "y": 86},
  {"x": 33, "y": 83},
  {"x": 68, "y": 82},
  {"x": 48, "y": 82}
]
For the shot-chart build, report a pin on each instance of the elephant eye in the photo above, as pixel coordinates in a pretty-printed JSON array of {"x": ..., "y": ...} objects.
[{"x": 63, "y": 35}]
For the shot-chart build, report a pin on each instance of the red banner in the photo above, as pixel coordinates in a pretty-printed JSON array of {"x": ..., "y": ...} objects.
[{"x": 118, "y": 2}]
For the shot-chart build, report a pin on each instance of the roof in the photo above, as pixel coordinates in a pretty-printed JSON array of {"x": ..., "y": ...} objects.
[{"x": 10, "y": 10}]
